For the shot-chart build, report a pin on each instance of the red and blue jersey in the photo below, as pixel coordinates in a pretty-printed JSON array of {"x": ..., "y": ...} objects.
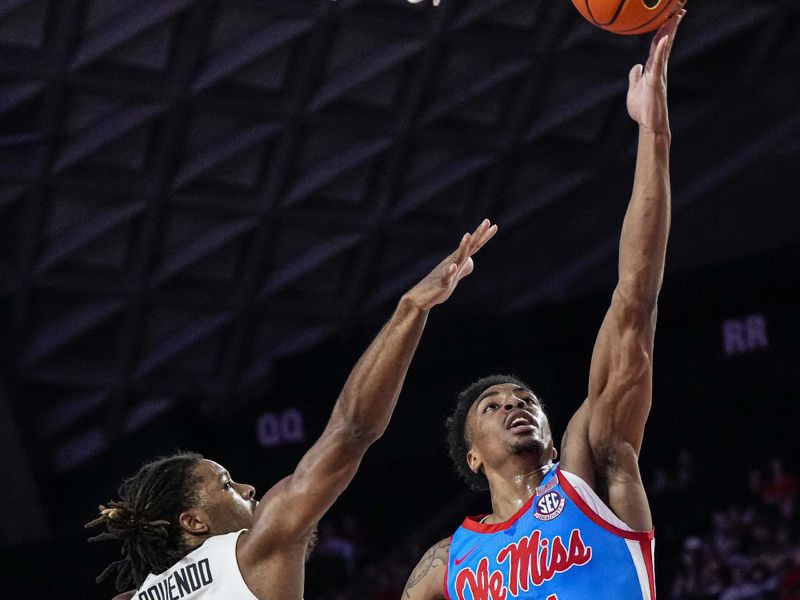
[{"x": 563, "y": 544}]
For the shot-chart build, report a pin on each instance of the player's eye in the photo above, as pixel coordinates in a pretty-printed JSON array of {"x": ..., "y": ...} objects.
[
  {"x": 489, "y": 407},
  {"x": 227, "y": 485}
]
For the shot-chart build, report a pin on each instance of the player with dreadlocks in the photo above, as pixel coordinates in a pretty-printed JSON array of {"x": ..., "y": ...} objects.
[
  {"x": 189, "y": 531},
  {"x": 165, "y": 486}
]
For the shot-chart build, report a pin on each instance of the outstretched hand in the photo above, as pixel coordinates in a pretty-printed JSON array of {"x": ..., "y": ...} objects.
[
  {"x": 439, "y": 284},
  {"x": 647, "y": 89}
]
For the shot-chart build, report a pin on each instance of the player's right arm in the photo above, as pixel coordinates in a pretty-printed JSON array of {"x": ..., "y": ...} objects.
[
  {"x": 427, "y": 580},
  {"x": 290, "y": 510},
  {"x": 604, "y": 438}
]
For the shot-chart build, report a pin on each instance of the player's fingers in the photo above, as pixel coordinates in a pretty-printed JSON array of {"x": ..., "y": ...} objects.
[
  {"x": 665, "y": 53},
  {"x": 449, "y": 275},
  {"x": 657, "y": 61},
  {"x": 462, "y": 252},
  {"x": 481, "y": 231},
  {"x": 466, "y": 269},
  {"x": 665, "y": 31},
  {"x": 675, "y": 21},
  {"x": 669, "y": 28},
  {"x": 475, "y": 237},
  {"x": 487, "y": 235},
  {"x": 635, "y": 76},
  {"x": 654, "y": 46},
  {"x": 661, "y": 54},
  {"x": 657, "y": 40}
]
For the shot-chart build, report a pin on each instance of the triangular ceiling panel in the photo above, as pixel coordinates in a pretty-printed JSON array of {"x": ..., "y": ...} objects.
[
  {"x": 100, "y": 239},
  {"x": 478, "y": 100},
  {"x": 22, "y": 23},
  {"x": 149, "y": 51},
  {"x": 298, "y": 253},
  {"x": 247, "y": 50},
  {"x": 96, "y": 138},
  {"x": 161, "y": 347},
  {"x": 108, "y": 30},
  {"x": 14, "y": 94},
  {"x": 215, "y": 248},
  {"x": 190, "y": 189}
]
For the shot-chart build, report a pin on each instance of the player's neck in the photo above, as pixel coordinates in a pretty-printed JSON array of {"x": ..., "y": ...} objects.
[
  {"x": 512, "y": 485},
  {"x": 193, "y": 542}
]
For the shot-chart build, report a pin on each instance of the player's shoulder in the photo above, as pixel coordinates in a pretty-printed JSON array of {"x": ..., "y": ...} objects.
[
  {"x": 441, "y": 548},
  {"x": 125, "y": 596},
  {"x": 427, "y": 580},
  {"x": 437, "y": 555}
]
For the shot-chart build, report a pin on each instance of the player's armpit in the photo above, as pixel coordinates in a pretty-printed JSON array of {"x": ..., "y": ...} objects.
[
  {"x": 427, "y": 579},
  {"x": 576, "y": 455}
]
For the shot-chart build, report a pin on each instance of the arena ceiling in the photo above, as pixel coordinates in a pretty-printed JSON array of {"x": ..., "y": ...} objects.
[{"x": 192, "y": 189}]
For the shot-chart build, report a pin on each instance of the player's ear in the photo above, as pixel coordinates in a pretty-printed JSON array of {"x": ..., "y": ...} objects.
[
  {"x": 194, "y": 521},
  {"x": 555, "y": 454},
  {"x": 474, "y": 461}
]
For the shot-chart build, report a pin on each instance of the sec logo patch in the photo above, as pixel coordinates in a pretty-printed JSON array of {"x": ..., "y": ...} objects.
[{"x": 549, "y": 506}]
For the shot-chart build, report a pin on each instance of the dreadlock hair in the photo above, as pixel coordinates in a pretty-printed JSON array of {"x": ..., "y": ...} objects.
[
  {"x": 145, "y": 518},
  {"x": 458, "y": 434}
]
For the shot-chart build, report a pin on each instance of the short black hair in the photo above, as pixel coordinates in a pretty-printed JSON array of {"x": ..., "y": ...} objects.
[
  {"x": 145, "y": 518},
  {"x": 458, "y": 438}
]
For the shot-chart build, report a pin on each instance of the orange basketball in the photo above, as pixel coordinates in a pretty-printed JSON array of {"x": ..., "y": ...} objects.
[{"x": 628, "y": 17}]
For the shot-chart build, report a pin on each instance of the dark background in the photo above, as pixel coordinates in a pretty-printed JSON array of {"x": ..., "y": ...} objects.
[{"x": 208, "y": 209}]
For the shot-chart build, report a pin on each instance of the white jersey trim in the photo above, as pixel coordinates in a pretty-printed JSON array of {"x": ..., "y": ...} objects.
[
  {"x": 641, "y": 550},
  {"x": 594, "y": 502},
  {"x": 637, "y": 555}
]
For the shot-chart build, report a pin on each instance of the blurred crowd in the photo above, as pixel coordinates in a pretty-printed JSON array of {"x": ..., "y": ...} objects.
[
  {"x": 719, "y": 536},
  {"x": 347, "y": 564},
  {"x": 749, "y": 548}
]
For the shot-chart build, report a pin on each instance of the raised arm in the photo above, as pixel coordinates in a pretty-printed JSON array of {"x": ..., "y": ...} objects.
[
  {"x": 290, "y": 510},
  {"x": 604, "y": 438}
]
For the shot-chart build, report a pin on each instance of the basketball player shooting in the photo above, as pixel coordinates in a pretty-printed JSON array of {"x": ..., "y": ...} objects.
[
  {"x": 189, "y": 531},
  {"x": 580, "y": 528}
]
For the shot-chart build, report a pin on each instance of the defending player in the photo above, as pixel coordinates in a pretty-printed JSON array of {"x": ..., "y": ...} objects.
[
  {"x": 189, "y": 531},
  {"x": 582, "y": 528}
]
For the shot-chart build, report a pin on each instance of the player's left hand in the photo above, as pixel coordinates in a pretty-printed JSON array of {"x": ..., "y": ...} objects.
[
  {"x": 439, "y": 284},
  {"x": 647, "y": 89}
]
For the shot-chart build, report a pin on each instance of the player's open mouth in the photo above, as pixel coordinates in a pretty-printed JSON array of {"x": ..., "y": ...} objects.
[{"x": 520, "y": 420}]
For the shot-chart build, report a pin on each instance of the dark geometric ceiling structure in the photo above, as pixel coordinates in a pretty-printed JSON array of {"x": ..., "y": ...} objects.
[{"x": 193, "y": 189}]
